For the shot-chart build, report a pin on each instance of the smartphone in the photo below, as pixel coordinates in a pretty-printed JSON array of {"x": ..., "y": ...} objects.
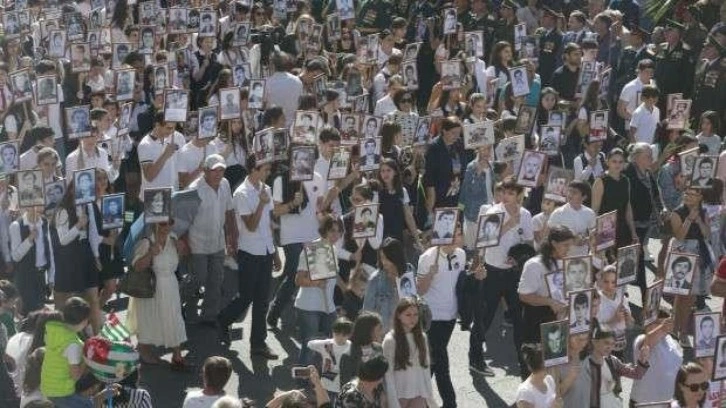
[{"x": 300, "y": 372}]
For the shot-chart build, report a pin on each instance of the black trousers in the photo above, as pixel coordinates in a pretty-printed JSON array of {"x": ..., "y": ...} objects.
[
  {"x": 31, "y": 287},
  {"x": 640, "y": 278},
  {"x": 439, "y": 335},
  {"x": 287, "y": 288},
  {"x": 255, "y": 278}
]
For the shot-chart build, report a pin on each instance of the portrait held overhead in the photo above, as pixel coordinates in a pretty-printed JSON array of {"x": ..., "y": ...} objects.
[{"x": 443, "y": 204}]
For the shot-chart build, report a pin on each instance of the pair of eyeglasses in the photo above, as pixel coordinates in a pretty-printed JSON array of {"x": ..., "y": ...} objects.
[{"x": 695, "y": 387}]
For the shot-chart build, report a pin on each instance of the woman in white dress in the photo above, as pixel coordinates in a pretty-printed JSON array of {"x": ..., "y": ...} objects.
[{"x": 157, "y": 321}]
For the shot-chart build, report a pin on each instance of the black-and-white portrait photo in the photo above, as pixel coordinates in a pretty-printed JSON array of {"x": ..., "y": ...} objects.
[
  {"x": 11, "y": 25},
  {"x": 653, "y": 294},
  {"x": 85, "y": 185},
  {"x": 321, "y": 261},
  {"x": 207, "y": 122},
  {"x": 411, "y": 51},
  {"x": 193, "y": 20},
  {"x": 280, "y": 142},
  {"x": 119, "y": 53},
  {"x": 598, "y": 125},
  {"x": 520, "y": 82},
  {"x": 30, "y": 188},
  {"x": 176, "y": 103},
  {"x": 57, "y": 43},
  {"x": 162, "y": 80},
  {"x": 678, "y": 116},
  {"x": 345, "y": 9},
  {"x": 21, "y": 86},
  {"x": 74, "y": 25},
  {"x": 407, "y": 285},
  {"x": 530, "y": 168},
  {"x": 125, "y": 81},
  {"x": 229, "y": 103},
  {"x": 77, "y": 121},
  {"x": 479, "y": 134},
  {"x": 177, "y": 20},
  {"x": 207, "y": 23},
  {"x": 302, "y": 163},
  {"x": 112, "y": 211},
  {"x": 46, "y": 90},
  {"x": 706, "y": 328},
  {"x": 510, "y": 149},
  {"x": 54, "y": 193},
  {"x": 241, "y": 34},
  {"x": 489, "y": 228},
  {"x": 444, "y": 226},
  {"x": 365, "y": 221},
  {"x": 704, "y": 171},
  {"x": 9, "y": 157},
  {"x": 687, "y": 159},
  {"x": 157, "y": 205},
  {"x": 240, "y": 74},
  {"x": 370, "y": 153},
  {"x": 80, "y": 57},
  {"x": 371, "y": 127},
  {"x": 719, "y": 360},
  {"x": 520, "y": 33},
  {"x": 124, "y": 118},
  {"x": 263, "y": 146},
  {"x": 525, "y": 119},
  {"x": 450, "y": 21},
  {"x": 556, "y": 286},
  {"x": 332, "y": 26},
  {"x": 580, "y": 311},
  {"x": 410, "y": 75},
  {"x": 555, "y": 337},
  {"x": 451, "y": 74},
  {"x": 680, "y": 271},
  {"x": 627, "y": 264},
  {"x": 577, "y": 273},
  {"x": 305, "y": 127},
  {"x": 147, "y": 40},
  {"x": 422, "y": 135},
  {"x": 339, "y": 163},
  {"x": 474, "y": 43},
  {"x": 605, "y": 230},
  {"x": 557, "y": 118},
  {"x": 549, "y": 140},
  {"x": 257, "y": 93},
  {"x": 558, "y": 181},
  {"x": 349, "y": 128}
]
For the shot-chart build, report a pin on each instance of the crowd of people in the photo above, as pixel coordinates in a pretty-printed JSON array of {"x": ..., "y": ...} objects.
[{"x": 405, "y": 165}]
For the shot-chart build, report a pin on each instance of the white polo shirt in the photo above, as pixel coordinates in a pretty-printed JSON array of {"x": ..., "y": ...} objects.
[
  {"x": 206, "y": 234},
  {"x": 303, "y": 226},
  {"x": 581, "y": 222},
  {"x": 245, "y": 200},
  {"x": 441, "y": 296},
  {"x": 645, "y": 123},
  {"x": 190, "y": 157},
  {"x": 533, "y": 281},
  {"x": 496, "y": 256},
  {"x": 630, "y": 93},
  {"x": 149, "y": 151}
]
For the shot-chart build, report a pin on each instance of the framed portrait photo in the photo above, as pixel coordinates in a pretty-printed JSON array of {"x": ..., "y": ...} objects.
[
  {"x": 229, "y": 104},
  {"x": 556, "y": 286},
  {"x": 580, "y": 308},
  {"x": 719, "y": 359},
  {"x": 520, "y": 83},
  {"x": 125, "y": 82},
  {"x": 124, "y": 118},
  {"x": 598, "y": 126},
  {"x": 9, "y": 157},
  {"x": 670, "y": 99},
  {"x": 556, "y": 118},
  {"x": 605, "y": 230},
  {"x": 520, "y": 33},
  {"x": 550, "y": 140},
  {"x": 208, "y": 121},
  {"x": 112, "y": 211},
  {"x": 706, "y": 328},
  {"x": 176, "y": 103},
  {"x": 605, "y": 76},
  {"x": 479, "y": 134},
  {"x": 263, "y": 146},
  {"x": 371, "y": 127},
  {"x": 305, "y": 127},
  {"x": 410, "y": 75},
  {"x": 525, "y": 119},
  {"x": 191, "y": 126},
  {"x": 578, "y": 275},
  {"x": 157, "y": 205},
  {"x": 444, "y": 226},
  {"x": 257, "y": 93},
  {"x": 339, "y": 163},
  {"x": 450, "y": 21},
  {"x": 302, "y": 163},
  {"x": 680, "y": 272},
  {"x": 627, "y": 264},
  {"x": 57, "y": 43},
  {"x": 162, "y": 79},
  {"x": 451, "y": 74},
  {"x": 510, "y": 149},
  {"x": 346, "y": 9},
  {"x": 207, "y": 23},
  {"x": 177, "y": 20},
  {"x": 370, "y": 154},
  {"x": 280, "y": 142},
  {"x": 147, "y": 40},
  {"x": 241, "y": 34},
  {"x": 687, "y": 159},
  {"x": 30, "y": 188},
  {"x": 680, "y": 113},
  {"x": 11, "y": 24},
  {"x": 410, "y": 53},
  {"x": 423, "y": 131},
  {"x": 85, "y": 186},
  {"x": 474, "y": 43},
  {"x": 53, "y": 194},
  {"x": 321, "y": 260},
  {"x": 360, "y": 103},
  {"x": 555, "y": 337},
  {"x": 119, "y": 51},
  {"x": 530, "y": 168},
  {"x": 558, "y": 181},
  {"x": 704, "y": 171},
  {"x": 21, "y": 86},
  {"x": 332, "y": 26},
  {"x": 78, "y": 124},
  {"x": 653, "y": 294},
  {"x": 349, "y": 129},
  {"x": 365, "y": 221},
  {"x": 489, "y": 229},
  {"x": 241, "y": 74},
  {"x": 80, "y": 57}
]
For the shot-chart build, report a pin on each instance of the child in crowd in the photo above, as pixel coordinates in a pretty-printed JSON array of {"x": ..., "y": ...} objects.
[
  {"x": 331, "y": 350},
  {"x": 63, "y": 363},
  {"x": 31, "y": 380},
  {"x": 539, "y": 221},
  {"x": 8, "y": 298},
  {"x": 215, "y": 374}
]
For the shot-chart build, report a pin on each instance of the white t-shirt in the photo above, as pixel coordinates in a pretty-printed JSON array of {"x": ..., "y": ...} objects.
[
  {"x": 533, "y": 280},
  {"x": 149, "y": 151},
  {"x": 645, "y": 123},
  {"x": 17, "y": 348},
  {"x": 529, "y": 393},
  {"x": 246, "y": 199},
  {"x": 197, "y": 399},
  {"x": 303, "y": 226},
  {"x": 497, "y": 256},
  {"x": 630, "y": 93},
  {"x": 581, "y": 222},
  {"x": 441, "y": 296},
  {"x": 190, "y": 157},
  {"x": 658, "y": 382},
  {"x": 331, "y": 354}
]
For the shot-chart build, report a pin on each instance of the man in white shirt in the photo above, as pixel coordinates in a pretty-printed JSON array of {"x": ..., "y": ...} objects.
[
  {"x": 157, "y": 155},
  {"x": 43, "y": 137},
  {"x": 644, "y": 121},
  {"x": 211, "y": 232},
  {"x": 590, "y": 164},
  {"x": 576, "y": 216},
  {"x": 629, "y": 97},
  {"x": 190, "y": 158},
  {"x": 283, "y": 88},
  {"x": 255, "y": 257}
]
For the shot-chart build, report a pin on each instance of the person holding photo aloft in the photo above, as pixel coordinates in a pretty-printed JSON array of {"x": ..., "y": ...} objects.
[
  {"x": 32, "y": 256},
  {"x": 90, "y": 155},
  {"x": 614, "y": 311},
  {"x": 666, "y": 355},
  {"x": 354, "y": 252},
  {"x": 112, "y": 267}
]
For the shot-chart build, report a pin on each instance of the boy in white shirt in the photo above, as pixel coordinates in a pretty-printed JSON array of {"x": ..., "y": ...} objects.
[
  {"x": 644, "y": 121},
  {"x": 215, "y": 374},
  {"x": 331, "y": 351}
]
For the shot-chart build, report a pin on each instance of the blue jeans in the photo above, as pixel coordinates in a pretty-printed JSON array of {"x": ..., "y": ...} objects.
[
  {"x": 287, "y": 287},
  {"x": 72, "y": 401},
  {"x": 312, "y": 325}
]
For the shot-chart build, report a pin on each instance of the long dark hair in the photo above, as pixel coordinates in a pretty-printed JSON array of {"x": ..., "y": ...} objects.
[
  {"x": 497, "y": 58},
  {"x": 557, "y": 234},
  {"x": 403, "y": 354},
  {"x": 362, "y": 334},
  {"x": 397, "y": 184},
  {"x": 392, "y": 249}
]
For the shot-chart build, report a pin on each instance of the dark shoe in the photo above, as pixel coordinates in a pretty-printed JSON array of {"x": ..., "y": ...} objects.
[
  {"x": 264, "y": 352},
  {"x": 481, "y": 367},
  {"x": 272, "y": 320}
]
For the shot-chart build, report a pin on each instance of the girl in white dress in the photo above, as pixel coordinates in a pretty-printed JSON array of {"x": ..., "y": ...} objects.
[
  {"x": 157, "y": 321},
  {"x": 539, "y": 389}
]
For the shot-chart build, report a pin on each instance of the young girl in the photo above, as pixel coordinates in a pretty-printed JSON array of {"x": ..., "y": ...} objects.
[
  {"x": 709, "y": 129},
  {"x": 408, "y": 380},
  {"x": 111, "y": 259},
  {"x": 364, "y": 343},
  {"x": 614, "y": 312}
]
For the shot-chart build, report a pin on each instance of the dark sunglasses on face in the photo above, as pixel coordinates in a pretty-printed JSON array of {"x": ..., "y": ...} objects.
[{"x": 694, "y": 387}]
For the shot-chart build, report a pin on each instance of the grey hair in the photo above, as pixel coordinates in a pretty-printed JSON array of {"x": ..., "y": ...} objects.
[{"x": 638, "y": 148}]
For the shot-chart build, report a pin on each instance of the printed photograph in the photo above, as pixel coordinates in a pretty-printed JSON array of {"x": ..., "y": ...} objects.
[
  {"x": 85, "y": 186},
  {"x": 302, "y": 163},
  {"x": 444, "y": 226},
  {"x": 112, "y": 208},
  {"x": 321, "y": 261},
  {"x": 490, "y": 226},
  {"x": 157, "y": 205},
  {"x": 365, "y": 221},
  {"x": 30, "y": 188},
  {"x": 555, "y": 337}
]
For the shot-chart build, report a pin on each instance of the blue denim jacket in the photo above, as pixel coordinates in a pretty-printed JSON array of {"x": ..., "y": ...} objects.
[
  {"x": 474, "y": 191},
  {"x": 669, "y": 194},
  {"x": 381, "y": 297}
]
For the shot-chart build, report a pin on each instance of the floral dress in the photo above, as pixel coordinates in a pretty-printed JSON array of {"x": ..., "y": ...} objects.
[{"x": 351, "y": 397}]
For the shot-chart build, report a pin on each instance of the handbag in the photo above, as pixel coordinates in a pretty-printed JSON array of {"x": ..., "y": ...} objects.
[{"x": 139, "y": 283}]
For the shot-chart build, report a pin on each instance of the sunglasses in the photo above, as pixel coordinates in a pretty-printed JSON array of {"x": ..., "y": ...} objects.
[{"x": 695, "y": 387}]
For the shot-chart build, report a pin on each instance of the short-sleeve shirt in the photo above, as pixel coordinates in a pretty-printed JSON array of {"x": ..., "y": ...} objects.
[
  {"x": 441, "y": 296},
  {"x": 645, "y": 122},
  {"x": 533, "y": 280},
  {"x": 246, "y": 198},
  {"x": 191, "y": 156},
  {"x": 206, "y": 234},
  {"x": 524, "y": 232},
  {"x": 149, "y": 150}
]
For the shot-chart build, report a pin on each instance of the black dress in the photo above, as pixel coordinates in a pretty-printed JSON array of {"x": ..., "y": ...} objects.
[
  {"x": 112, "y": 266},
  {"x": 75, "y": 268},
  {"x": 616, "y": 196}
]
